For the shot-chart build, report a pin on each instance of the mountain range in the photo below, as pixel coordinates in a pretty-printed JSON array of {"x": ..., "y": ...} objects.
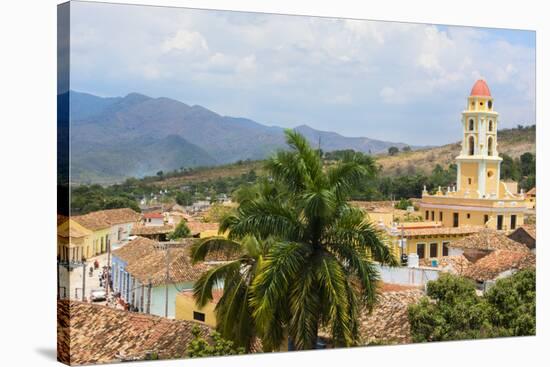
[{"x": 136, "y": 135}]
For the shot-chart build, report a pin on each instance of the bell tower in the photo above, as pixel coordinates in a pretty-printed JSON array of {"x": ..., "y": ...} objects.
[{"x": 478, "y": 165}]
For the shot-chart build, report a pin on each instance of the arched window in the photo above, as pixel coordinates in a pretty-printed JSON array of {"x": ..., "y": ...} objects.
[
  {"x": 471, "y": 125},
  {"x": 490, "y": 125},
  {"x": 471, "y": 144},
  {"x": 490, "y": 146}
]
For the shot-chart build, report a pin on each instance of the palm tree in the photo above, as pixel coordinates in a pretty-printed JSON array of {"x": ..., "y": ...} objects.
[
  {"x": 233, "y": 313},
  {"x": 318, "y": 271}
]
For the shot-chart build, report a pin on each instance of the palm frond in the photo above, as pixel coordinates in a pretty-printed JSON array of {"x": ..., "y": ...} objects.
[
  {"x": 214, "y": 245},
  {"x": 271, "y": 285},
  {"x": 202, "y": 289}
]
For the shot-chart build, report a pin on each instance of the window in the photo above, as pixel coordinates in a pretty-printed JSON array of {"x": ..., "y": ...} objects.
[
  {"x": 490, "y": 104},
  {"x": 490, "y": 146},
  {"x": 433, "y": 249},
  {"x": 427, "y": 215},
  {"x": 513, "y": 221},
  {"x": 420, "y": 250},
  {"x": 445, "y": 249},
  {"x": 490, "y": 125},
  {"x": 500, "y": 220},
  {"x": 455, "y": 219},
  {"x": 433, "y": 215},
  {"x": 469, "y": 180},
  {"x": 468, "y": 215},
  {"x": 199, "y": 316},
  {"x": 471, "y": 143},
  {"x": 485, "y": 218},
  {"x": 441, "y": 216},
  {"x": 471, "y": 125}
]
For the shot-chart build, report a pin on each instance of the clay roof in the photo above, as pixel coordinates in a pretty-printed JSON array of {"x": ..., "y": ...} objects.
[
  {"x": 531, "y": 192},
  {"x": 440, "y": 231},
  {"x": 136, "y": 249},
  {"x": 481, "y": 89},
  {"x": 153, "y": 215},
  {"x": 152, "y": 267},
  {"x": 90, "y": 334},
  {"x": 141, "y": 230},
  {"x": 490, "y": 266},
  {"x": 71, "y": 229},
  {"x": 488, "y": 239},
  {"x": 198, "y": 227},
  {"x": 105, "y": 218},
  {"x": 451, "y": 264},
  {"x": 530, "y": 229},
  {"x": 388, "y": 322}
]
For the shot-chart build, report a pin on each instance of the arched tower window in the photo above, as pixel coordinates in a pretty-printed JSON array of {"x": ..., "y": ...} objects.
[
  {"x": 471, "y": 145},
  {"x": 490, "y": 125},
  {"x": 490, "y": 146},
  {"x": 471, "y": 125}
]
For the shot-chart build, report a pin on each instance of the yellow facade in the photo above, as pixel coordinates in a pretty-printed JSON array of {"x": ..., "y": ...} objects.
[
  {"x": 187, "y": 309},
  {"x": 479, "y": 198},
  {"x": 99, "y": 240},
  {"x": 74, "y": 242}
]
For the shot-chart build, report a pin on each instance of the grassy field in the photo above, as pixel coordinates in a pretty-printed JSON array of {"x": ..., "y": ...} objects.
[{"x": 513, "y": 142}]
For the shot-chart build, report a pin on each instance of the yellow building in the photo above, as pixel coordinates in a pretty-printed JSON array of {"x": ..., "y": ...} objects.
[
  {"x": 187, "y": 309},
  {"x": 426, "y": 239},
  {"x": 479, "y": 197},
  {"x": 73, "y": 242},
  {"x": 100, "y": 231},
  {"x": 531, "y": 198}
]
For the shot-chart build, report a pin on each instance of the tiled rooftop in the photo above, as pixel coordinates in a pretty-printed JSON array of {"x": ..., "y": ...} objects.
[
  {"x": 96, "y": 334},
  {"x": 490, "y": 266},
  {"x": 388, "y": 322},
  {"x": 105, "y": 218},
  {"x": 488, "y": 239}
]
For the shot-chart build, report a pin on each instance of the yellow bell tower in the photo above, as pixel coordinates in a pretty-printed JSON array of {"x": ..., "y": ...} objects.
[{"x": 478, "y": 164}]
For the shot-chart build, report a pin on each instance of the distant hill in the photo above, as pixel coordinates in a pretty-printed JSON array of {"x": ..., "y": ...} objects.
[
  {"x": 513, "y": 142},
  {"x": 136, "y": 135}
]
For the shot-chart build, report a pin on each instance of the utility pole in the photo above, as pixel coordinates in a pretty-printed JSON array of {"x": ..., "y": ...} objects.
[
  {"x": 166, "y": 280},
  {"x": 149, "y": 288},
  {"x": 84, "y": 282},
  {"x": 107, "y": 277}
]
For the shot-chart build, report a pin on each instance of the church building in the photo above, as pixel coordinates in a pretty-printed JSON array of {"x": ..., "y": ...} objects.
[{"x": 479, "y": 198}]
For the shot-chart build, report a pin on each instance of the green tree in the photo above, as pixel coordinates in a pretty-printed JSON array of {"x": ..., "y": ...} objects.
[
  {"x": 233, "y": 311},
  {"x": 317, "y": 272},
  {"x": 201, "y": 347},
  {"x": 181, "y": 231},
  {"x": 184, "y": 198},
  {"x": 393, "y": 150},
  {"x": 403, "y": 204},
  {"x": 454, "y": 311}
]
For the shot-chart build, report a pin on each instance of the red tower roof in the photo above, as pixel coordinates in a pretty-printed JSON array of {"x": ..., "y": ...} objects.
[{"x": 481, "y": 89}]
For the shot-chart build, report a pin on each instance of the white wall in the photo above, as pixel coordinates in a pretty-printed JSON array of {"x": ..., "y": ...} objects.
[{"x": 407, "y": 276}]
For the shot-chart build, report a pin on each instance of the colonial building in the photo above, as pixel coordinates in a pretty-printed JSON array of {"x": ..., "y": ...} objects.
[{"x": 479, "y": 197}]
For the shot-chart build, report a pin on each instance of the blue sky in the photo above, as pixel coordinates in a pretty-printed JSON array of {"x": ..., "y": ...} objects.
[{"x": 386, "y": 80}]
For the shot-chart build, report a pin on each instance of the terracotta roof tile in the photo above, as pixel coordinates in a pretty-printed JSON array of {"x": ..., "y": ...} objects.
[
  {"x": 488, "y": 239},
  {"x": 490, "y": 266},
  {"x": 388, "y": 322},
  {"x": 135, "y": 249},
  {"x": 105, "y": 218},
  {"x": 141, "y": 230},
  {"x": 96, "y": 334},
  {"x": 152, "y": 266},
  {"x": 198, "y": 227}
]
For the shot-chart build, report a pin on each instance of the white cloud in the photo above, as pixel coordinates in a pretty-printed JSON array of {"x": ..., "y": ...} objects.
[
  {"x": 288, "y": 69},
  {"x": 189, "y": 41}
]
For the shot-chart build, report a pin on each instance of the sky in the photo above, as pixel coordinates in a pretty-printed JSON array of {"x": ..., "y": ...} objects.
[{"x": 399, "y": 82}]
